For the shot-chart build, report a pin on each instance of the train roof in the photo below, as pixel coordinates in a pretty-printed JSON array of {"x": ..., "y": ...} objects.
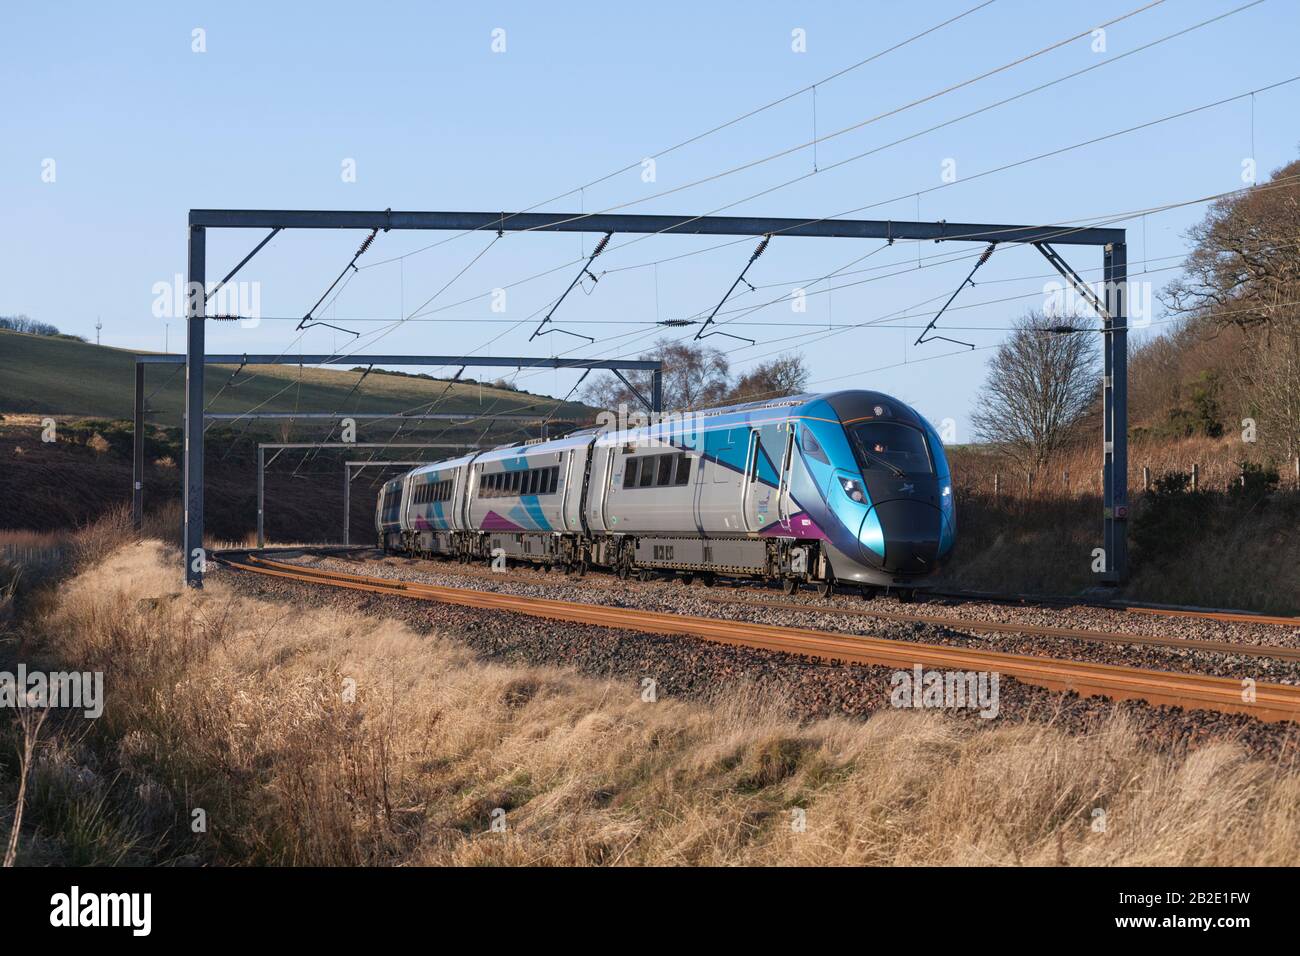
[{"x": 847, "y": 405}]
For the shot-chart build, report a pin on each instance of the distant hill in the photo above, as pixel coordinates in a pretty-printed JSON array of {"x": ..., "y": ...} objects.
[{"x": 60, "y": 376}]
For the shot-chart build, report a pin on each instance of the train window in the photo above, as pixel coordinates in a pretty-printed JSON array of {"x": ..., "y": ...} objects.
[
  {"x": 555, "y": 480},
  {"x": 534, "y": 477},
  {"x": 629, "y": 472},
  {"x": 890, "y": 446},
  {"x": 683, "y": 474},
  {"x": 647, "y": 476},
  {"x": 809, "y": 443},
  {"x": 665, "y": 474}
]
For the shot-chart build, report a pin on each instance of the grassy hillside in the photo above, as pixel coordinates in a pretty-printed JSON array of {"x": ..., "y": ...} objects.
[{"x": 44, "y": 375}]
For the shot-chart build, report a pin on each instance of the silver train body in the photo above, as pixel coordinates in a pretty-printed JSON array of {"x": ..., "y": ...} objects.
[{"x": 849, "y": 488}]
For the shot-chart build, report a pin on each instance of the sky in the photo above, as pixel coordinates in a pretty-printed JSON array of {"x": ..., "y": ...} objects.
[{"x": 118, "y": 119}]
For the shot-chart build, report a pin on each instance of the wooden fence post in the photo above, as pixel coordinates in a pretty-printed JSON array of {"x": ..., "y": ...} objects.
[
  {"x": 1196, "y": 476},
  {"x": 1146, "y": 478},
  {"x": 997, "y": 485}
]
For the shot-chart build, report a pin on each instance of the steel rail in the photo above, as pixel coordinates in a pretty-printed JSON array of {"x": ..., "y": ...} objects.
[
  {"x": 1269, "y": 702},
  {"x": 1033, "y": 630}
]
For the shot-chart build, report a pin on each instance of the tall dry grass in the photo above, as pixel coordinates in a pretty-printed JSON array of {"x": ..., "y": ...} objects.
[{"x": 242, "y": 707}]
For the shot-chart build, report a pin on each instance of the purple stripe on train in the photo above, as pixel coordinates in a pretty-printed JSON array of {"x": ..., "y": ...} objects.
[
  {"x": 495, "y": 522},
  {"x": 800, "y": 525}
]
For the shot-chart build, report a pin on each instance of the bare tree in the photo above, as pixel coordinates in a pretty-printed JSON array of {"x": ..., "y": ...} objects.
[
  {"x": 784, "y": 375},
  {"x": 1040, "y": 387},
  {"x": 694, "y": 376}
]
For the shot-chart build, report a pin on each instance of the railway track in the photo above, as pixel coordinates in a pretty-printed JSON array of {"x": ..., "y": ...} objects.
[
  {"x": 1271, "y": 702},
  {"x": 1271, "y": 651},
  {"x": 1034, "y": 630},
  {"x": 1204, "y": 614}
]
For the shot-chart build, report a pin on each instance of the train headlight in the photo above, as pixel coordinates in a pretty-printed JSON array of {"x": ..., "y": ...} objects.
[
  {"x": 853, "y": 489},
  {"x": 947, "y": 490}
]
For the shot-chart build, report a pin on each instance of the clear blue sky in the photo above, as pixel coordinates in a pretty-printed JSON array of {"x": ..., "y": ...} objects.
[{"x": 141, "y": 129}]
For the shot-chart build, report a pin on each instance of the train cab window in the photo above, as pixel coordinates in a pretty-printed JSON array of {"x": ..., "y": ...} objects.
[
  {"x": 683, "y": 474},
  {"x": 890, "y": 446},
  {"x": 811, "y": 446},
  {"x": 664, "y": 476},
  {"x": 629, "y": 472}
]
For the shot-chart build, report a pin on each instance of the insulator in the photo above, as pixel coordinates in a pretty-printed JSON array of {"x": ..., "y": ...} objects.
[{"x": 600, "y": 246}]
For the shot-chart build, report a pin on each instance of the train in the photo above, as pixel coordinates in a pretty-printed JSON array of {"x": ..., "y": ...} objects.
[{"x": 842, "y": 490}]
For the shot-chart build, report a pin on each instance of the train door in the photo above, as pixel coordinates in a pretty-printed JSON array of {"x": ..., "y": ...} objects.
[
  {"x": 749, "y": 488},
  {"x": 471, "y": 472},
  {"x": 783, "y": 499},
  {"x": 601, "y": 487}
]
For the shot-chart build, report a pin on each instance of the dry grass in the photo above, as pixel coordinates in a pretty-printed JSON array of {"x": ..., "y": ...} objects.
[
  {"x": 1077, "y": 471},
  {"x": 240, "y": 707}
]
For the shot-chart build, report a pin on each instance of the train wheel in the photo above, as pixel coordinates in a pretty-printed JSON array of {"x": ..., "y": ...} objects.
[
  {"x": 624, "y": 572},
  {"x": 581, "y": 568},
  {"x": 906, "y": 596},
  {"x": 686, "y": 579},
  {"x": 789, "y": 586},
  {"x": 708, "y": 579},
  {"x": 825, "y": 588},
  {"x": 869, "y": 592}
]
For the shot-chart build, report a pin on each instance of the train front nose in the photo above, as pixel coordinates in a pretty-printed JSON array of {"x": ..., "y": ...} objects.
[{"x": 912, "y": 530}]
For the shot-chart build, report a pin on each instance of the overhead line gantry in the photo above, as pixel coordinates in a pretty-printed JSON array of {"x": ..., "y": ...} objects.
[{"x": 1114, "y": 317}]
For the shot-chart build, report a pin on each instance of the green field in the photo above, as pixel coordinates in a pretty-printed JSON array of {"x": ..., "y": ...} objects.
[{"x": 45, "y": 375}]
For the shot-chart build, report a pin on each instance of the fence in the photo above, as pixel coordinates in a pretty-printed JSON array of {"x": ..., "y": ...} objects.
[{"x": 1214, "y": 476}]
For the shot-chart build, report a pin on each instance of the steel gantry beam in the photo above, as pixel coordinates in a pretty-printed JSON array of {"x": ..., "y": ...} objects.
[
  {"x": 667, "y": 225},
  {"x": 1115, "y": 399}
]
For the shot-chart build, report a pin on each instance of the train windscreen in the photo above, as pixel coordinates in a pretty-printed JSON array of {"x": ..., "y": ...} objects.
[{"x": 890, "y": 446}]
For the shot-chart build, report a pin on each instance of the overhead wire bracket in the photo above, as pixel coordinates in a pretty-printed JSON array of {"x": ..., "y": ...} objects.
[
  {"x": 969, "y": 280},
  {"x": 632, "y": 388},
  {"x": 242, "y": 262},
  {"x": 762, "y": 245},
  {"x": 1085, "y": 291},
  {"x": 584, "y": 271},
  {"x": 307, "y": 321}
]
